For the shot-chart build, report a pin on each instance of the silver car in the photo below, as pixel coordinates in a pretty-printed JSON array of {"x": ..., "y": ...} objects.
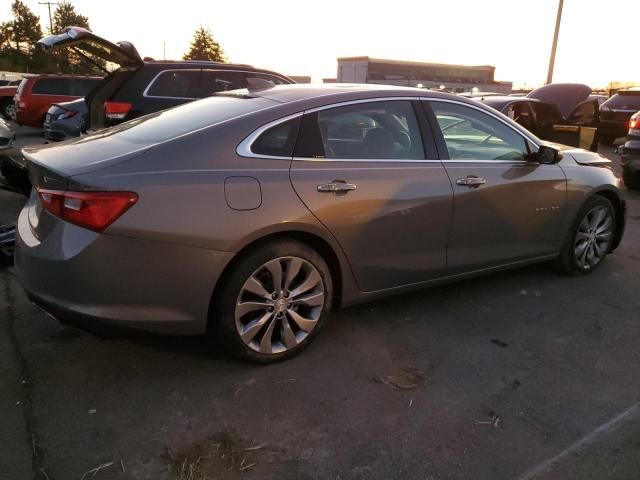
[
  {"x": 250, "y": 214},
  {"x": 7, "y": 135}
]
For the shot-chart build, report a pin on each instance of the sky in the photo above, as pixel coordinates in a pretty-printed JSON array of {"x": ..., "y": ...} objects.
[{"x": 305, "y": 37}]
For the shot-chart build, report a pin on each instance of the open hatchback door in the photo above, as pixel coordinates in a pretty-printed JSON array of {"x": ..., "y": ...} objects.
[
  {"x": 578, "y": 125},
  {"x": 87, "y": 44}
]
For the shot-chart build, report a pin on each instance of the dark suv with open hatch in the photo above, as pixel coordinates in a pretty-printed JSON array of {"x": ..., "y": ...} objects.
[{"x": 139, "y": 87}]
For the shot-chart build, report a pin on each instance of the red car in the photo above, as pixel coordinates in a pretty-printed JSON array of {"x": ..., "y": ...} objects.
[{"x": 36, "y": 93}]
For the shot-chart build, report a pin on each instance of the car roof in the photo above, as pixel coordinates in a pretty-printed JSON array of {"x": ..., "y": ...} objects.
[
  {"x": 58, "y": 75},
  {"x": 308, "y": 91},
  {"x": 205, "y": 63}
]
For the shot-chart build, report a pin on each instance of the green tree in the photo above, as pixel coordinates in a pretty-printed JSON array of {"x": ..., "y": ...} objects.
[
  {"x": 204, "y": 47},
  {"x": 18, "y": 38},
  {"x": 66, "y": 15},
  {"x": 68, "y": 61}
]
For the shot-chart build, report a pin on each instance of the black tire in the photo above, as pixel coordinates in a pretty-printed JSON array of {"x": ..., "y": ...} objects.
[
  {"x": 222, "y": 324},
  {"x": 567, "y": 261},
  {"x": 607, "y": 139},
  {"x": 631, "y": 179},
  {"x": 5, "y": 106}
]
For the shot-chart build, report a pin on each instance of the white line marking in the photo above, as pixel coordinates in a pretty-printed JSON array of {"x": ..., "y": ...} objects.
[{"x": 608, "y": 427}]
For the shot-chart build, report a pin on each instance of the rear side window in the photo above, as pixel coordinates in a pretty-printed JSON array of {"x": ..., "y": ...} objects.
[
  {"x": 385, "y": 130},
  {"x": 51, "y": 86},
  {"x": 279, "y": 140},
  {"x": 176, "y": 84},
  {"x": 214, "y": 81}
]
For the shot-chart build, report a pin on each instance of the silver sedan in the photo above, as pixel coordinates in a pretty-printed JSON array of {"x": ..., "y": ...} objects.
[{"x": 249, "y": 215}]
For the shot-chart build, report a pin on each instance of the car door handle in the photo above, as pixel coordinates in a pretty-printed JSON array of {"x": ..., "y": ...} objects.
[
  {"x": 336, "y": 186},
  {"x": 470, "y": 181}
]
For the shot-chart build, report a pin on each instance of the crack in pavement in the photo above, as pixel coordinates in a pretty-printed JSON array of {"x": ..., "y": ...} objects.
[{"x": 37, "y": 454}]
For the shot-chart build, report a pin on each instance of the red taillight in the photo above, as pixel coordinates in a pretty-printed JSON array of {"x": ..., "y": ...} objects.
[
  {"x": 634, "y": 123},
  {"x": 116, "y": 110},
  {"x": 92, "y": 210}
]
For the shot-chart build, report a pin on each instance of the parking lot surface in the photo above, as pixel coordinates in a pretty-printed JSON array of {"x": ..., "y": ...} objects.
[{"x": 527, "y": 374}]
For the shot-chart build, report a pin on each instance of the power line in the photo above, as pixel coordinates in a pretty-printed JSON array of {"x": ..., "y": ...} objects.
[{"x": 48, "y": 4}]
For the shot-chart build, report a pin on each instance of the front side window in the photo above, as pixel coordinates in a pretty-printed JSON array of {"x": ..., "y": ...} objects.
[
  {"x": 474, "y": 135},
  {"x": 176, "y": 84},
  {"x": 376, "y": 130}
]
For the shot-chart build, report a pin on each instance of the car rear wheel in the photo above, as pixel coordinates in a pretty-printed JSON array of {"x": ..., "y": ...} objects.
[
  {"x": 631, "y": 179},
  {"x": 590, "y": 237},
  {"x": 7, "y": 108},
  {"x": 273, "y": 303}
]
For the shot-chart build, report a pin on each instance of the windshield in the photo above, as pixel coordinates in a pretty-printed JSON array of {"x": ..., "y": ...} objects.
[{"x": 172, "y": 123}]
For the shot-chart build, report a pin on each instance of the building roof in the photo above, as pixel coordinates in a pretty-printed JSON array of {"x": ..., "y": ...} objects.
[{"x": 416, "y": 64}]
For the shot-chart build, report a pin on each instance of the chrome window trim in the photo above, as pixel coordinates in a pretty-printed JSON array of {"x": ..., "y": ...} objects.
[
  {"x": 364, "y": 160},
  {"x": 355, "y": 102},
  {"x": 153, "y": 80},
  {"x": 244, "y": 148}
]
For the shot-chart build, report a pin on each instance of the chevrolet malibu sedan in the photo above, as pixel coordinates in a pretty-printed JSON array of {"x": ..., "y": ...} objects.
[{"x": 251, "y": 214}]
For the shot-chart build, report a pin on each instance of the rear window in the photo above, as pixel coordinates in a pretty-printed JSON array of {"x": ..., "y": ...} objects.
[
  {"x": 186, "y": 118},
  {"x": 624, "y": 101},
  {"x": 77, "y": 87}
]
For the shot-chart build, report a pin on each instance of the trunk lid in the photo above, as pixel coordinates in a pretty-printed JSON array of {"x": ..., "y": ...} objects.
[{"x": 84, "y": 41}]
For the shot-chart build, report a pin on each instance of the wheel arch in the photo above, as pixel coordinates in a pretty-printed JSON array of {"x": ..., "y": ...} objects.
[
  {"x": 619, "y": 205},
  {"x": 335, "y": 263}
]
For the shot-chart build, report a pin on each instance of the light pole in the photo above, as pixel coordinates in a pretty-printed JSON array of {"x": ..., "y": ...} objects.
[{"x": 552, "y": 60}]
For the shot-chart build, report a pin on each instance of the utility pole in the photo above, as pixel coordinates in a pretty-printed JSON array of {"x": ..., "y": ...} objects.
[
  {"x": 552, "y": 60},
  {"x": 48, "y": 4}
]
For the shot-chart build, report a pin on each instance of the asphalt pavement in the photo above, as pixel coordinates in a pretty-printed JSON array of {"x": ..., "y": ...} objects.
[{"x": 521, "y": 375}]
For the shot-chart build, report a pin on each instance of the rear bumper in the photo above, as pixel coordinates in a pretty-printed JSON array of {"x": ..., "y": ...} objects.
[
  {"x": 619, "y": 129},
  {"x": 54, "y": 135},
  {"x": 82, "y": 277}
]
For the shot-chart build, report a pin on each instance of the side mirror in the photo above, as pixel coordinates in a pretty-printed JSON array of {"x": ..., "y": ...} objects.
[{"x": 547, "y": 155}]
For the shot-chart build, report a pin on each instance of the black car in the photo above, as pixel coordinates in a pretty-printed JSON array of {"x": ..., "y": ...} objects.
[
  {"x": 64, "y": 120},
  {"x": 630, "y": 159},
  {"x": 616, "y": 112},
  {"x": 558, "y": 112},
  {"x": 140, "y": 86}
]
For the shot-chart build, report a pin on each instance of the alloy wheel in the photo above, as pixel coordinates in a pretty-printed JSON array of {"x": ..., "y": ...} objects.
[
  {"x": 279, "y": 305},
  {"x": 593, "y": 237}
]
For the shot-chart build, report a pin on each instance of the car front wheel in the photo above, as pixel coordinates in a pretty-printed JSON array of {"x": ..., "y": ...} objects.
[
  {"x": 590, "y": 238},
  {"x": 273, "y": 302}
]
